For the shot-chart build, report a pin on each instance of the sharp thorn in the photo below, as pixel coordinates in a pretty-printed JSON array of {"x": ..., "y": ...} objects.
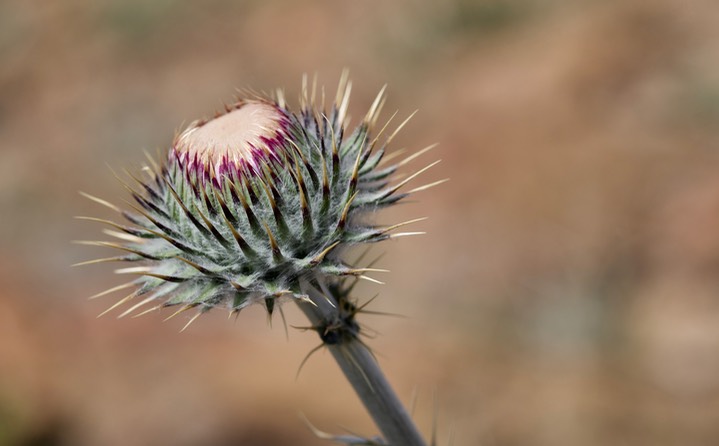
[
  {"x": 193, "y": 319},
  {"x": 133, "y": 270},
  {"x": 125, "y": 229},
  {"x": 417, "y": 154},
  {"x": 118, "y": 303},
  {"x": 307, "y": 356},
  {"x": 367, "y": 270},
  {"x": 123, "y": 236},
  {"x": 237, "y": 286},
  {"x": 316, "y": 432},
  {"x": 345, "y": 211},
  {"x": 199, "y": 268},
  {"x": 428, "y": 186},
  {"x": 101, "y": 201},
  {"x": 276, "y": 253},
  {"x": 370, "y": 279},
  {"x": 305, "y": 298},
  {"x": 414, "y": 175},
  {"x": 404, "y": 223},
  {"x": 136, "y": 306},
  {"x": 112, "y": 290},
  {"x": 319, "y": 257},
  {"x": 364, "y": 305},
  {"x": 383, "y": 313},
  {"x": 284, "y": 323},
  {"x": 149, "y": 310},
  {"x": 153, "y": 163},
  {"x": 391, "y": 137},
  {"x": 103, "y": 260},
  {"x": 166, "y": 278},
  {"x": 181, "y": 310},
  {"x": 374, "y": 108},
  {"x": 390, "y": 156},
  {"x": 115, "y": 246},
  {"x": 381, "y": 131},
  {"x": 406, "y": 234}
]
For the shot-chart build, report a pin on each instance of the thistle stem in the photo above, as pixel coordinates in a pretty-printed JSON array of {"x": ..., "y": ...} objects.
[{"x": 363, "y": 373}]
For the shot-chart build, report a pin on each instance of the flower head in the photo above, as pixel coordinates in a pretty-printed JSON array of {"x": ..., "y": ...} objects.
[
  {"x": 248, "y": 203},
  {"x": 250, "y": 132}
]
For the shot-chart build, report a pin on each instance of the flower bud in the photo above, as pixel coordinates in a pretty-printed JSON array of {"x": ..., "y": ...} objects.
[{"x": 246, "y": 204}]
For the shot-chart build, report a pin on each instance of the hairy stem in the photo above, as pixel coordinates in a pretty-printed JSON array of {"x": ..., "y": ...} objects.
[{"x": 362, "y": 371}]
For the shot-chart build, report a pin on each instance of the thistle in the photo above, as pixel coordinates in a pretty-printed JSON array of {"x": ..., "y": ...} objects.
[{"x": 258, "y": 205}]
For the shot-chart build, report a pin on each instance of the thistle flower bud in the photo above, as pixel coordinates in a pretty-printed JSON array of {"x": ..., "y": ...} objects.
[{"x": 246, "y": 204}]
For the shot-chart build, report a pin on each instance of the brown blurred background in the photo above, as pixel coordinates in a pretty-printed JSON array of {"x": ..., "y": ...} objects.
[{"x": 566, "y": 292}]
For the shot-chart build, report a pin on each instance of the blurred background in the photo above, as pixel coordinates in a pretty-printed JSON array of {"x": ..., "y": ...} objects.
[{"x": 566, "y": 291}]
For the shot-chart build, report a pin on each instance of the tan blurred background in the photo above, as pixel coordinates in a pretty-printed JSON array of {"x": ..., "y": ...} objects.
[{"x": 566, "y": 292}]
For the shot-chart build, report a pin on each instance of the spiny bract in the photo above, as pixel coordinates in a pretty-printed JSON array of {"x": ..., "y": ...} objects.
[{"x": 246, "y": 204}]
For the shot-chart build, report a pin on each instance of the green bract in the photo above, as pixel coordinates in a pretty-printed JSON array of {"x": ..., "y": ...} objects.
[{"x": 246, "y": 204}]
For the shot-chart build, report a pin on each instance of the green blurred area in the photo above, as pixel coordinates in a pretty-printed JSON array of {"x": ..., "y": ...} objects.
[{"x": 566, "y": 291}]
